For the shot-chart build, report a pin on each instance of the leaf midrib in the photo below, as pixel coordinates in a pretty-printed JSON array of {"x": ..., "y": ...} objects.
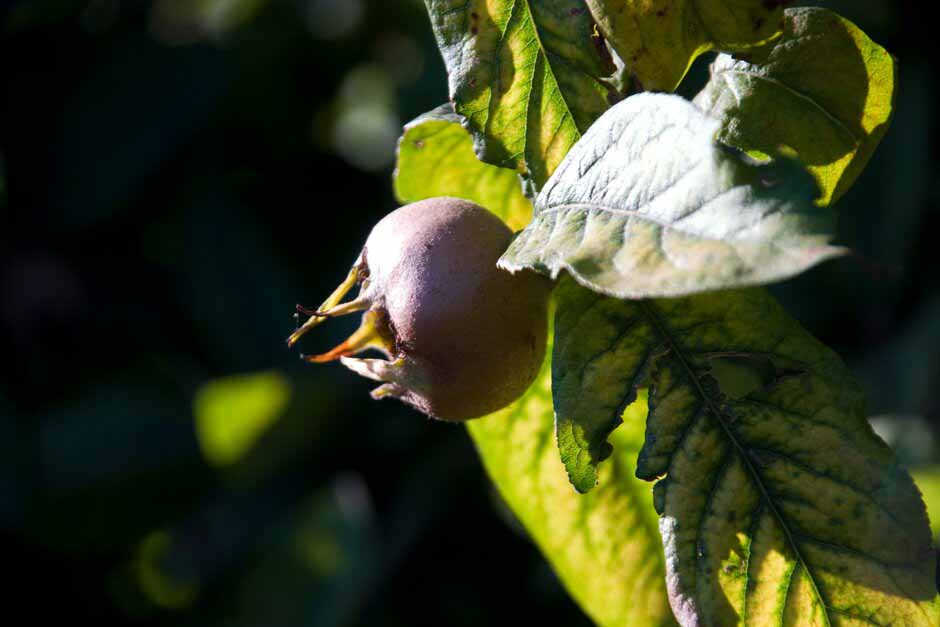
[
  {"x": 543, "y": 52},
  {"x": 649, "y": 312},
  {"x": 528, "y": 101}
]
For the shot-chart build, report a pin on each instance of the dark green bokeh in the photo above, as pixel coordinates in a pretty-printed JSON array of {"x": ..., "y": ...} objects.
[{"x": 174, "y": 176}]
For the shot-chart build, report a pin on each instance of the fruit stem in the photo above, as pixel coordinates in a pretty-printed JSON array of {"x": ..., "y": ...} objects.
[
  {"x": 329, "y": 306},
  {"x": 372, "y": 333},
  {"x": 359, "y": 304}
]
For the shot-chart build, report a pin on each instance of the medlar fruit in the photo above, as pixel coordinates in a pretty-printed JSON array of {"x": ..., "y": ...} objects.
[{"x": 461, "y": 338}]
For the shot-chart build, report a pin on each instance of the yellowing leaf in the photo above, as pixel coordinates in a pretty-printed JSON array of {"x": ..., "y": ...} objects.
[
  {"x": 823, "y": 89},
  {"x": 659, "y": 39},
  {"x": 604, "y": 545},
  {"x": 436, "y": 158},
  {"x": 529, "y": 75},
  {"x": 778, "y": 503},
  {"x": 231, "y": 414}
]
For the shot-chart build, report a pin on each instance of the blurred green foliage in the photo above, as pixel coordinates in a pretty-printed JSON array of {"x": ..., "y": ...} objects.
[{"x": 174, "y": 177}]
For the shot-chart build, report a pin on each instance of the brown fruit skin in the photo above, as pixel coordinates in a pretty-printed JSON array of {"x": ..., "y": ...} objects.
[{"x": 473, "y": 336}]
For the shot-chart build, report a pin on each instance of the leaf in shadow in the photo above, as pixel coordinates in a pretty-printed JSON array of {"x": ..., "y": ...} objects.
[
  {"x": 103, "y": 461},
  {"x": 130, "y": 117},
  {"x": 823, "y": 89}
]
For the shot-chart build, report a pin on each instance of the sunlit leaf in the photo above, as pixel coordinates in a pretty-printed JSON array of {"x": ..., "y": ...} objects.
[
  {"x": 647, "y": 204},
  {"x": 824, "y": 89},
  {"x": 659, "y": 39},
  {"x": 530, "y": 77},
  {"x": 436, "y": 158},
  {"x": 778, "y": 502},
  {"x": 927, "y": 479},
  {"x": 231, "y": 414},
  {"x": 604, "y": 545}
]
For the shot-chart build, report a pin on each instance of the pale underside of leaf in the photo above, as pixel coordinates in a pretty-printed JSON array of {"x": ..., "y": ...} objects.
[
  {"x": 824, "y": 89},
  {"x": 529, "y": 76},
  {"x": 647, "y": 204},
  {"x": 659, "y": 39},
  {"x": 436, "y": 158},
  {"x": 778, "y": 503},
  {"x": 604, "y": 546}
]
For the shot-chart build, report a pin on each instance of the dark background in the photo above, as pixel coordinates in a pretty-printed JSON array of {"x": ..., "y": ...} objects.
[{"x": 174, "y": 176}]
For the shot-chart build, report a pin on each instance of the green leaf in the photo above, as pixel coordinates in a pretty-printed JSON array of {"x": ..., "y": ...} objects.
[
  {"x": 436, "y": 158},
  {"x": 604, "y": 545},
  {"x": 824, "y": 89},
  {"x": 659, "y": 39},
  {"x": 927, "y": 479},
  {"x": 252, "y": 425},
  {"x": 529, "y": 75},
  {"x": 233, "y": 413},
  {"x": 778, "y": 506},
  {"x": 647, "y": 204}
]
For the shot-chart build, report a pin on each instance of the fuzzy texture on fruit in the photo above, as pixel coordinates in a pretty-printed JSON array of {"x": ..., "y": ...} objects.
[{"x": 461, "y": 337}]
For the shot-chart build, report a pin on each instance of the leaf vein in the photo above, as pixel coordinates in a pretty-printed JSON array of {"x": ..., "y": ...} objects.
[{"x": 660, "y": 328}]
